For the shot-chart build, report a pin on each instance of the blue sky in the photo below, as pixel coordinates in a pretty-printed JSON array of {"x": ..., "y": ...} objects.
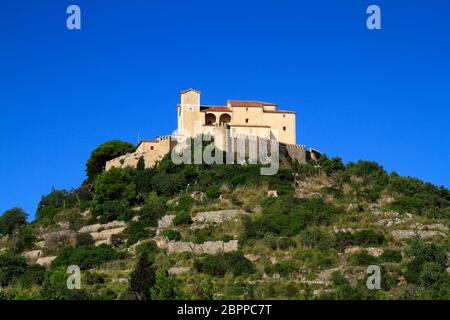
[{"x": 379, "y": 95}]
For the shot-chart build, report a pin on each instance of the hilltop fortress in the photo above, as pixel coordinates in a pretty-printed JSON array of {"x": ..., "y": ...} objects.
[{"x": 246, "y": 119}]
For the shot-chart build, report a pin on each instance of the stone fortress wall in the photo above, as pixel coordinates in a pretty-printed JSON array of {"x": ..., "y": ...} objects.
[{"x": 151, "y": 150}]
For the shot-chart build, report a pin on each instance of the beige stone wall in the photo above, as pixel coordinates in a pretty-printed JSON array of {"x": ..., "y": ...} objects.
[
  {"x": 282, "y": 125},
  {"x": 152, "y": 151}
]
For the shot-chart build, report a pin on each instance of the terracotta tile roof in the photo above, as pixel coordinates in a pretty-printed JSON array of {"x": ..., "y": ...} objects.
[
  {"x": 278, "y": 111},
  {"x": 215, "y": 108},
  {"x": 249, "y": 103},
  {"x": 190, "y": 89}
]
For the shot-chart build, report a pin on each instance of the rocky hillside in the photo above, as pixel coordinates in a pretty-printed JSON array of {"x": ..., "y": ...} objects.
[{"x": 225, "y": 231}]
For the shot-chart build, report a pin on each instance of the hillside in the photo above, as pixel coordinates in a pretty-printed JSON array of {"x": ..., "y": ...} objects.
[{"x": 226, "y": 232}]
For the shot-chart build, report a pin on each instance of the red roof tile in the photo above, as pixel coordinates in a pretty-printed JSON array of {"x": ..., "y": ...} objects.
[{"x": 249, "y": 103}]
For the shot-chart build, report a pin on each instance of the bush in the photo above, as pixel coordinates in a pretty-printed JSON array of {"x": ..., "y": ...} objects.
[
  {"x": 390, "y": 255},
  {"x": 149, "y": 247},
  {"x": 137, "y": 230},
  {"x": 84, "y": 239},
  {"x": 114, "y": 190},
  {"x": 11, "y": 267},
  {"x": 343, "y": 240},
  {"x": 362, "y": 259},
  {"x": 33, "y": 275},
  {"x": 171, "y": 235},
  {"x": 428, "y": 261},
  {"x": 314, "y": 238},
  {"x": 12, "y": 219},
  {"x": 86, "y": 257},
  {"x": 368, "y": 238},
  {"x": 103, "y": 153},
  {"x": 213, "y": 192},
  {"x": 182, "y": 218},
  {"x": 283, "y": 268},
  {"x": 289, "y": 216},
  {"x": 155, "y": 207},
  {"x": 93, "y": 278},
  {"x": 218, "y": 265},
  {"x": 166, "y": 287}
]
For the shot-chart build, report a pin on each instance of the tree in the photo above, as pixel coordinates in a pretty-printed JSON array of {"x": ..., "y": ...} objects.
[
  {"x": 11, "y": 219},
  {"x": 103, "y": 153},
  {"x": 166, "y": 287},
  {"x": 143, "y": 276},
  {"x": 11, "y": 267}
]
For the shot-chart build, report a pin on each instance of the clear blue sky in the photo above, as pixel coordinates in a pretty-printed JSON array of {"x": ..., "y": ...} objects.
[{"x": 359, "y": 94}]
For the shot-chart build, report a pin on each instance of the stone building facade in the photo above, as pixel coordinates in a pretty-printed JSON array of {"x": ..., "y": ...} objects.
[{"x": 237, "y": 119}]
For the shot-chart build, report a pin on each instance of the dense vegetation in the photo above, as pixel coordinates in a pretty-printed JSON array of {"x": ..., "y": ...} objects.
[{"x": 294, "y": 238}]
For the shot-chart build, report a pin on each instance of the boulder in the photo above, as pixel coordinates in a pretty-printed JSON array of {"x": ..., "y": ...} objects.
[
  {"x": 45, "y": 261},
  {"x": 166, "y": 221},
  {"x": 32, "y": 256}
]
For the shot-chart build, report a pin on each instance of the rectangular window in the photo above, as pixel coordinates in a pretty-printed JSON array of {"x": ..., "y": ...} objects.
[
  {"x": 151, "y": 148},
  {"x": 246, "y": 120},
  {"x": 284, "y": 128}
]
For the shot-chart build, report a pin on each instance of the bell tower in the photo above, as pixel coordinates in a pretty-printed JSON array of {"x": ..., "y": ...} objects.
[{"x": 189, "y": 112}]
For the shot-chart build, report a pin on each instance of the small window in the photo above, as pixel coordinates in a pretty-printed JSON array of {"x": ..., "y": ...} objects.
[
  {"x": 284, "y": 128},
  {"x": 246, "y": 109},
  {"x": 246, "y": 120},
  {"x": 151, "y": 148},
  {"x": 284, "y": 116}
]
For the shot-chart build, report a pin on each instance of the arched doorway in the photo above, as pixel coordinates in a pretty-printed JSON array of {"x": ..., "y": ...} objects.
[
  {"x": 225, "y": 118},
  {"x": 210, "y": 119}
]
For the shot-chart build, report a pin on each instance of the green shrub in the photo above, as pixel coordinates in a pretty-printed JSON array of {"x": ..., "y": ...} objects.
[
  {"x": 155, "y": 207},
  {"x": 93, "y": 278},
  {"x": 182, "y": 218},
  {"x": 362, "y": 259},
  {"x": 116, "y": 189},
  {"x": 343, "y": 240},
  {"x": 289, "y": 216},
  {"x": 11, "y": 267},
  {"x": 86, "y": 257},
  {"x": 314, "y": 238},
  {"x": 368, "y": 238},
  {"x": 166, "y": 287},
  {"x": 137, "y": 230},
  {"x": 12, "y": 219},
  {"x": 33, "y": 275},
  {"x": 171, "y": 234},
  {"x": 218, "y": 265},
  {"x": 213, "y": 192},
  {"x": 149, "y": 247},
  {"x": 390, "y": 255},
  {"x": 84, "y": 239},
  {"x": 428, "y": 261},
  {"x": 283, "y": 268}
]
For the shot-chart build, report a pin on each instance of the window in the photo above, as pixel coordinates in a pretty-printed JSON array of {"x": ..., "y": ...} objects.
[
  {"x": 284, "y": 128},
  {"x": 246, "y": 109},
  {"x": 246, "y": 120},
  {"x": 151, "y": 148},
  {"x": 284, "y": 116}
]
